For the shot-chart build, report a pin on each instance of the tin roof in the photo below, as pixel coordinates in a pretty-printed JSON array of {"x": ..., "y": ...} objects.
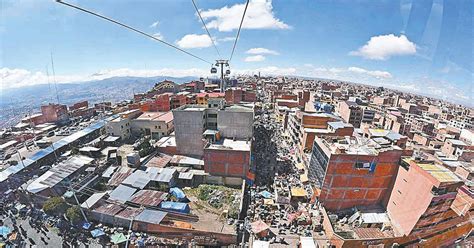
[
  {"x": 151, "y": 216},
  {"x": 122, "y": 193},
  {"x": 148, "y": 197}
]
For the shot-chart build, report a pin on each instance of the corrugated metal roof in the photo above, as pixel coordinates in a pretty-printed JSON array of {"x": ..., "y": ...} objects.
[
  {"x": 58, "y": 173},
  {"x": 151, "y": 216},
  {"x": 129, "y": 213},
  {"x": 122, "y": 193},
  {"x": 120, "y": 175},
  {"x": 148, "y": 197},
  {"x": 92, "y": 200},
  {"x": 138, "y": 179},
  {"x": 109, "y": 209}
]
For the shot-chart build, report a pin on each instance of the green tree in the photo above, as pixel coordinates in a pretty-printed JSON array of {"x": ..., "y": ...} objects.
[
  {"x": 55, "y": 206},
  {"x": 74, "y": 214}
]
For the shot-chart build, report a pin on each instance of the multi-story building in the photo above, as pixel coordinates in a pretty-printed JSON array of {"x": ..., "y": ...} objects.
[
  {"x": 121, "y": 126},
  {"x": 421, "y": 198},
  {"x": 418, "y": 123},
  {"x": 303, "y": 127},
  {"x": 238, "y": 95},
  {"x": 154, "y": 124},
  {"x": 354, "y": 113},
  {"x": 228, "y": 158},
  {"x": 353, "y": 171},
  {"x": 54, "y": 113},
  {"x": 190, "y": 123}
]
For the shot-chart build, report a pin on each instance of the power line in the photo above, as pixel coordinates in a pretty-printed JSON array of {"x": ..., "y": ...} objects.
[
  {"x": 131, "y": 28},
  {"x": 238, "y": 32},
  {"x": 204, "y": 24}
]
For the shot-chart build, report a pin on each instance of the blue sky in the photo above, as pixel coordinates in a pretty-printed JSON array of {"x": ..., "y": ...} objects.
[{"x": 419, "y": 46}]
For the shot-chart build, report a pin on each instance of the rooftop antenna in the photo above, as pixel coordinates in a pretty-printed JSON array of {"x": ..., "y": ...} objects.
[
  {"x": 49, "y": 85},
  {"x": 54, "y": 77}
]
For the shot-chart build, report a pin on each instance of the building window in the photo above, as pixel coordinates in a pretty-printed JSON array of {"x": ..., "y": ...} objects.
[{"x": 362, "y": 165}]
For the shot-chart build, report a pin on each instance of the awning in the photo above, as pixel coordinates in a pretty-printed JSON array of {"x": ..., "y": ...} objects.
[
  {"x": 298, "y": 192},
  {"x": 118, "y": 238},
  {"x": 97, "y": 232},
  {"x": 300, "y": 166},
  {"x": 304, "y": 178},
  {"x": 259, "y": 226},
  {"x": 268, "y": 202},
  {"x": 265, "y": 194},
  {"x": 4, "y": 231}
]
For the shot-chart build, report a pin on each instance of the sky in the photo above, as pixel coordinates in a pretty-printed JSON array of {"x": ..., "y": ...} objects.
[{"x": 422, "y": 46}]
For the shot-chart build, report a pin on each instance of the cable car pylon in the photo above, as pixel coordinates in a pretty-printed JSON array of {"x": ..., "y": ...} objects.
[{"x": 221, "y": 63}]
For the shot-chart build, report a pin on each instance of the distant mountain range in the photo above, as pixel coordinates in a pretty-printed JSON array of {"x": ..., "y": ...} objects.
[
  {"x": 108, "y": 89},
  {"x": 16, "y": 102}
]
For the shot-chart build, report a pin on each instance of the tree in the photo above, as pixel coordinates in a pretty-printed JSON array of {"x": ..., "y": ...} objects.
[
  {"x": 55, "y": 206},
  {"x": 74, "y": 214}
]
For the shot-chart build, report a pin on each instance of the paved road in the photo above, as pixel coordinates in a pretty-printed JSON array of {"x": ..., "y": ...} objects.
[{"x": 41, "y": 239}]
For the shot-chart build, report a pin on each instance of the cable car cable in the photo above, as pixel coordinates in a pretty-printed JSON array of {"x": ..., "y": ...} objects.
[
  {"x": 204, "y": 24},
  {"x": 238, "y": 32},
  {"x": 130, "y": 28}
]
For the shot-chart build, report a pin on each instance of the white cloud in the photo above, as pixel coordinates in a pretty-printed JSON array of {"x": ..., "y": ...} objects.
[
  {"x": 256, "y": 58},
  {"x": 14, "y": 78},
  {"x": 226, "y": 39},
  {"x": 377, "y": 74},
  {"x": 260, "y": 50},
  {"x": 259, "y": 16},
  {"x": 155, "y": 24},
  {"x": 383, "y": 47},
  {"x": 158, "y": 36},
  {"x": 195, "y": 41}
]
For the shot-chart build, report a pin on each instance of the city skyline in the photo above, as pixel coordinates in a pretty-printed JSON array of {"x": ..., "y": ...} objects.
[{"x": 397, "y": 44}]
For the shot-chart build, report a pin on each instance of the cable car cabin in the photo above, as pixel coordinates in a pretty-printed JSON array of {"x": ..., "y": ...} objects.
[
  {"x": 227, "y": 72},
  {"x": 213, "y": 70}
]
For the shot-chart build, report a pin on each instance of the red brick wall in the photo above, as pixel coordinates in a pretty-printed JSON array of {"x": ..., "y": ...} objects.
[
  {"x": 345, "y": 186},
  {"x": 226, "y": 162}
]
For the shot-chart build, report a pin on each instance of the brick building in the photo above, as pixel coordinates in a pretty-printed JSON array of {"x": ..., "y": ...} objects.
[
  {"x": 227, "y": 158},
  {"x": 353, "y": 171},
  {"x": 54, "y": 113},
  {"x": 238, "y": 95}
]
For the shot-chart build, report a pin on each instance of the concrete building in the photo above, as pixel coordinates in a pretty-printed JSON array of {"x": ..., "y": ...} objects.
[
  {"x": 191, "y": 122},
  {"x": 154, "y": 124},
  {"x": 303, "y": 127},
  {"x": 353, "y": 171},
  {"x": 421, "y": 124},
  {"x": 121, "y": 126},
  {"x": 236, "y": 121},
  {"x": 354, "y": 113}
]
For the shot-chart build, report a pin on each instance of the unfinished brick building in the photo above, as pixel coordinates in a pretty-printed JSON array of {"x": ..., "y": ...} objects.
[{"x": 353, "y": 171}]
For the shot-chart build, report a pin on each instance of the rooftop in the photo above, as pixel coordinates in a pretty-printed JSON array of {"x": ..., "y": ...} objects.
[
  {"x": 229, "y": 144},
  {"x": 356, "y": 145},
  {"x": 58, "y": 173},
  {"x": 440, "y": 173}
]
